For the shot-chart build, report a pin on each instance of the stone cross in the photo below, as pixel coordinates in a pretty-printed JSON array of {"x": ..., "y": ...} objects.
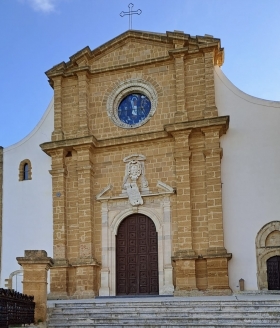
[{"x": 130, "y": 13}]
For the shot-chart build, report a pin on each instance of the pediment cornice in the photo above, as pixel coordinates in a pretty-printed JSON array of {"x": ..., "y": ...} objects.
[{"x": 178, "y": 42}]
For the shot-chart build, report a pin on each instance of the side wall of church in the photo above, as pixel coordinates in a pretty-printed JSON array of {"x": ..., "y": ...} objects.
[
  {"x": 27, "y": 204},
  {"x": 250, "y": 175}
]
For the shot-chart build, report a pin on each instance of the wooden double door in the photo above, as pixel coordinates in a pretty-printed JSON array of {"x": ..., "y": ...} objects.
[
  {"x": 137, "y": 257},
  {"x": 273, "y": 273}
]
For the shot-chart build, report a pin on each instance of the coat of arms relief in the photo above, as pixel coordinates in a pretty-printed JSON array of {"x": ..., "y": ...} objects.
[
  {"x": 135, "y": 184},
  {"x": 134, "y": 171}
]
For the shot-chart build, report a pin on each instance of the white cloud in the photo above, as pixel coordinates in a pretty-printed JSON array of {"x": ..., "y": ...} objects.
[{"x": 42, "y": 5}]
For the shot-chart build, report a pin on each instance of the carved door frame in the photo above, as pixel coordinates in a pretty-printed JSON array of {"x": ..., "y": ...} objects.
[{"x": 113, "y": 212}]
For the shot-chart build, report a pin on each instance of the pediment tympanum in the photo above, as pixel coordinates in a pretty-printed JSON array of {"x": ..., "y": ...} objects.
[{"x": 136, "y": 47}]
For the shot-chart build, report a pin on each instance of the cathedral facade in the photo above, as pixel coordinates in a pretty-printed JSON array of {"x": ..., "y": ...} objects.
[{"x": 150, "y": 175}]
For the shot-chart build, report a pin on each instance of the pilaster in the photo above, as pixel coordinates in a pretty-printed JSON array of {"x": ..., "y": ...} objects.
[
  {"x": 85, "y": 264},
  {"x": 184, "y": 259},
  {"x": 105, "y": 271},
  {"x": 59, "y": 272},
  {"x": 179, "y": 63},
  {"x": 210, "y": 104},
  {"x": 83, "y": 90},
  {"x": 58, "y": 119},
  {"x": 168, "y": 287},
  {"x": 213, "y": 154},
  {"x": 184, "y": 220},
  {"x": 217, "y": 256}
]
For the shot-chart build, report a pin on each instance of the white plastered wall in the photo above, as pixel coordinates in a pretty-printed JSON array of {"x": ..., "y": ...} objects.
[
  {"x": 27, "y": 205},
  {"x": 250, "y": 174}
]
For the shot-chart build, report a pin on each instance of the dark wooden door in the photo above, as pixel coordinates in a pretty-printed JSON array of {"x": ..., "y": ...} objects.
[
  {"x": 273, "y": 273},
  {"x": 137, "y": 256}
]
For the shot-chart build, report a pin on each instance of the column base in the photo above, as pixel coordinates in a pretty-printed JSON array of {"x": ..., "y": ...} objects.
[
  {"x": 184, "y": 272},
  {"x": 104, "y": 289},
  {"x": 217, "y": 273},
  {"x": 167, "y": 288}
]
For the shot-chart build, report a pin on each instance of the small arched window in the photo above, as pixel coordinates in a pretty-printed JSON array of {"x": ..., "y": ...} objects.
[{"x": 25, "y": 170}]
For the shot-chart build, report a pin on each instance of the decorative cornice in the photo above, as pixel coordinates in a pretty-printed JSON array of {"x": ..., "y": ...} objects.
[
  {"x": 198, "y": 124},
  {"x": 170, "y": 129},
  {"x": 47, "y": 147},
  {"x": 179, "y": 40}
]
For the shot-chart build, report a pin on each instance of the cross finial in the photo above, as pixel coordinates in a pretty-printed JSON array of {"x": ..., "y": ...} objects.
[{"x": 130, "y": 13}]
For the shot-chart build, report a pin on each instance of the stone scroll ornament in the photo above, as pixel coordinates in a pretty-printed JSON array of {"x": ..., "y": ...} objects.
[{"x": 134, "y": 170}]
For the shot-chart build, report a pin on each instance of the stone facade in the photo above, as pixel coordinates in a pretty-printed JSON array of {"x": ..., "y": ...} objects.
[{"x": 180, "y": 142}]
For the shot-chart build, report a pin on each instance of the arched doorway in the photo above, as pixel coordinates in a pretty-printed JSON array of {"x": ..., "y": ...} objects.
[
  {"x": 273, "y": 273},
  {"x": 137, "y": 257},
  {"x": 267, "y": 247}
]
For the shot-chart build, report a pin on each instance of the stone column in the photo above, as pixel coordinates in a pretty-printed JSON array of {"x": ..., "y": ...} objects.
[
  {"x": 36, "y": 264},
  {"x": 83, "y": 91},
  {"x": 59, "y": 271},
  {"x": 210, "y": 104},
  {"x": 58, "y": 131},
  {"x": 217, "y": 256},
  {"x": 185, "y": 255},
  {"x": 86, "y": 266}
]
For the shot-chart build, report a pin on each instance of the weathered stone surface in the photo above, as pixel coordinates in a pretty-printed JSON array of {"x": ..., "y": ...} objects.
[
  {"x": 180, "y": 141},
  {"x": 35, "y": 266}
]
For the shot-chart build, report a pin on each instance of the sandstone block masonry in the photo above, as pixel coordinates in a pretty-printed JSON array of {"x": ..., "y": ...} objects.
[{"x": 181, "y": 143}]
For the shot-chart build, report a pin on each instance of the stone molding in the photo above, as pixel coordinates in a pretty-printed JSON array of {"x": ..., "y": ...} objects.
[
  {"x": 190, "y": 44},
  {"x": 113, "y": 212},
  {"x": 222, "y": 121},
  {"x": 133, "y": 85},
  {"x": 264, "y": 251}
]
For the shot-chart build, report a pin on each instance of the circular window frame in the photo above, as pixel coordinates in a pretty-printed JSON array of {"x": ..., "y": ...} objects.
[{"x": 124, "y": 89}]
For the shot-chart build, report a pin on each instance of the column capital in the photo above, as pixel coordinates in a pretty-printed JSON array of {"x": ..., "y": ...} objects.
[{"x": 35, "y": 257}]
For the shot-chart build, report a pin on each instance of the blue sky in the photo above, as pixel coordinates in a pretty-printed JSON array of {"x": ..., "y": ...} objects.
[{"x": 38, "y": 34}]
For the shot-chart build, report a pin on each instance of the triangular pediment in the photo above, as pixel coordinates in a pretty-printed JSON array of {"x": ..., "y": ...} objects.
[{"x": 132, "y": 47}]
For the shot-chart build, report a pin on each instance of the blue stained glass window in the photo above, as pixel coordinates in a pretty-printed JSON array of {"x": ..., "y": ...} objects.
[{"x": 134, "y": 108}]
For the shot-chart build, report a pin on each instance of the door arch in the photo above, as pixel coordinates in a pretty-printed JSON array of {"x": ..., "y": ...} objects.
[
  {"x": 273, "y": 273},
  {"x": 137, "y": 257}
]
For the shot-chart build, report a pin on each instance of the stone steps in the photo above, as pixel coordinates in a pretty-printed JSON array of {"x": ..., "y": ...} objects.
[{"x": 167, "y": 314}]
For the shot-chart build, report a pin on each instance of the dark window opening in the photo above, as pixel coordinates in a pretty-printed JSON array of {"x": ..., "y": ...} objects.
[{"x": 25, "y": 171}]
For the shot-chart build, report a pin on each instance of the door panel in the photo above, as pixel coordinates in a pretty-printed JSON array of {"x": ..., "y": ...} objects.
[
  {"x": 137, "y": 256},
  {"x": 273, "y": 273}
]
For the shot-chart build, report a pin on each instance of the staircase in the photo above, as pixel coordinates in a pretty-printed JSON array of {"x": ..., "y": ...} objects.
[{"x": 167, "y": 312}]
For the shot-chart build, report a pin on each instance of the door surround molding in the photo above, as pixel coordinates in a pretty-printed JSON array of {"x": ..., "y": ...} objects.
[
  {"x": 113, "y": 212},
  {"x": 267, "y": 246}
]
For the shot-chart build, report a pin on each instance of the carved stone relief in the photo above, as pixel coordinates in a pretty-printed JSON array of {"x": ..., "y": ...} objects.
[{"x": 134, "y": 169}]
